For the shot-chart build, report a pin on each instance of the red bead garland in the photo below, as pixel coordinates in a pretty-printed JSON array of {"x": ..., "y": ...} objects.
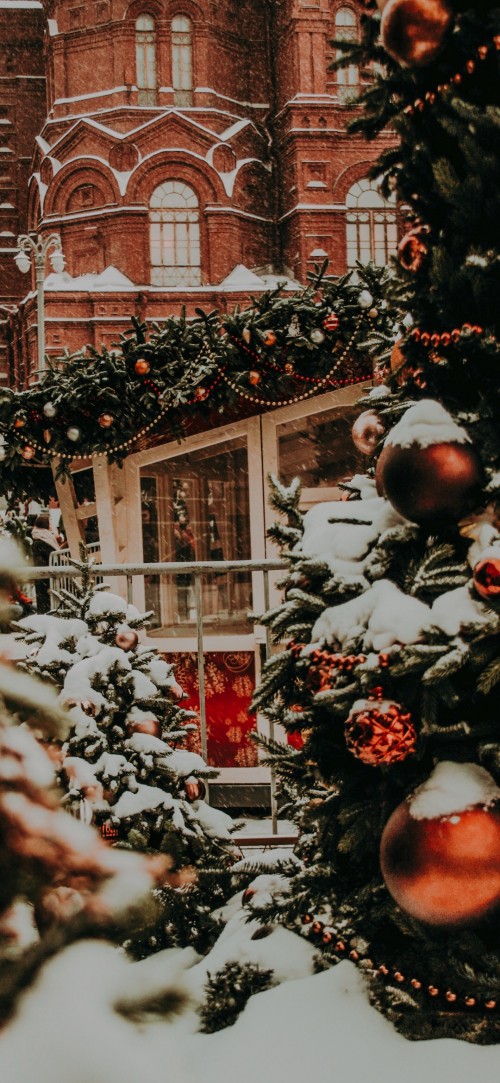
[{"x": 430, "y": 96}]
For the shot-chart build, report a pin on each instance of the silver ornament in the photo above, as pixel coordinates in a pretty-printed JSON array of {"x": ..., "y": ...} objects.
[
  {"x": 50, "y": 409},
  {"x": 73, "y": 433},
  {"x": 317, "y": 336},
  {"x": 365, "y": 299}
]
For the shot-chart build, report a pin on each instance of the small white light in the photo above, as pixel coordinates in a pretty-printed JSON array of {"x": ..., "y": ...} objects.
[
  {"x": 23, "y": 262},
  {"x": 57, "y": 260}
]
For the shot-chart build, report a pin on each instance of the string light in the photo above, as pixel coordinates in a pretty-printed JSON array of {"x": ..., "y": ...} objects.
[
  {"x": 430, "y": 96},
  {"x": 350, "y": 948}
]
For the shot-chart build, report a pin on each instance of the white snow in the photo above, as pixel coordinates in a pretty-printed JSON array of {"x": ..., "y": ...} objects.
[
  {"x": 185, "y": 763},
  {"x": 109, "y": 279},
  {"x": 22, "y": 757},
  {"x": 453, "y": 788},
  {"x": 146, "y": 797},
  {"x": 215, "y": 823},
  {"x": 425, "y": 424},
  {"x": 103, "y": 602},
  {"x": 456, "y": 608},
  {"x": 380, "y": 617},
  {"x": 77, "y": 683},
  {"x": 346, "y": 546}
]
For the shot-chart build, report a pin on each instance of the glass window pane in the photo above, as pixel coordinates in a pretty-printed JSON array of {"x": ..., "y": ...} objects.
[
  {"x": 319, "y": 450},
  {"x": 198, "y": 504}
]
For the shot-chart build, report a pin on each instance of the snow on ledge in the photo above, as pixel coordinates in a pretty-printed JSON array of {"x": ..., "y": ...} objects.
[{"x": 109, "y": 279}]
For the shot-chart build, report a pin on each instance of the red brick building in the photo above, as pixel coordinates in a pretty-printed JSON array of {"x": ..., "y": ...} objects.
[
  {"x": 187, "y": 152},
  {"x": 172, "y": 141}
]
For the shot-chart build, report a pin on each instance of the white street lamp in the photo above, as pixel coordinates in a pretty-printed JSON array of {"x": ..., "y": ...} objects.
[{"x": 30, "y": 250}]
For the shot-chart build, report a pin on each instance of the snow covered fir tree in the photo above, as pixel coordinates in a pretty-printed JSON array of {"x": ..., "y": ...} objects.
[
  {"x": 60, "y": 881},
  {"x": 389, "y": 677},
  {"x": 124, "y": 764}
]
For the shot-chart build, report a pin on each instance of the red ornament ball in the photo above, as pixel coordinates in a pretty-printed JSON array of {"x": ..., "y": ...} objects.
[
  {"x": 194, "y": 788},
  {"x": 380, "y": 732},
  {"x": 106, "y": 421},
  {"x": 269, "y": 338},
  {"x": 412, "y": 248},
  {"x": 444, "y": 870},
  {"x": 331, "y": 322},
  {"x": 487, "y": 578},
  {"x": 126, "y": 639},
  {"x": 201, "y": 393},
  {"x": 142, "y": 366},
  {"x": 28, "y": 452},
  {"x": 149, "y": 725},
  {"x": 254, "y": 377},
  {"x": 433, "y": 485},
  {"x": 413, "y": 32},
  {"x": 367, "y": 431}
]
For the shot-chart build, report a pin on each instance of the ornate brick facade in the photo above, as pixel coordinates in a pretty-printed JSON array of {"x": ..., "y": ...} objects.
[{"x": 181, "y": 138}]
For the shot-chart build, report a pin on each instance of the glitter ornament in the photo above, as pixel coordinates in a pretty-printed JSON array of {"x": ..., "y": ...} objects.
[
  {"x": 367, "y": 431},
  {"x": 380, "y": 732},
  {"x": 413, "y": 32},
  {"x": 331, "y": 322}
]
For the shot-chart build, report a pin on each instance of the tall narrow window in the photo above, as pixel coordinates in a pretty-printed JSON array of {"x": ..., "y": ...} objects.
[
  {"x": 182, "y": 60},
  {"x": 371, "y": 228},
  {"x": 145, "y": 55},
  {"x": 174, "y": 227},
  {"x": 346, "y": 30}
]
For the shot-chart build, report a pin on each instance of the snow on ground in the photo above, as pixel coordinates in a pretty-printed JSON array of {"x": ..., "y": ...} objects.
[{"x": 318, "y": 1027}]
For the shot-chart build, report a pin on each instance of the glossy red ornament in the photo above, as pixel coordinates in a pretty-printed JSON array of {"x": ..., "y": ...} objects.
[
  {"x": 254, "y": 377},
  {"x": 28, "y": 452},
  {"x": 367, "y": 432},
  {"x": 413, "y": 32},
  {"x": 194, "y": 788},
  {"x": 142, "y": 366},
  {"x": 443, "y": 871},
  {"x": 380, "y": 732},
  {"x": 487, "y": 577},
  {"x": 126, "y": 639},
  {"x": 269, "y": 338},
  {"x": 431, "y": 485},
  {"x": 106, "y": 421},
  {"x": 149, "y": 725},
  {"x": 413, "y": 248},
  {"x": 201, "y": 393},
  {"x": 331, "y": 322}
]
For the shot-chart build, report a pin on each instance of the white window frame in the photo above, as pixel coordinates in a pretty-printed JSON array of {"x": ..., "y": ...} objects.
[
  {"x": 145, "y": 59},
  {"x": 182, "y": 59},
  {"x": 371, "y": 225}
]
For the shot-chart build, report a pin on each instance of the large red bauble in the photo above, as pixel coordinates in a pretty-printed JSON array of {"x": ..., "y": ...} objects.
[
  {"x": 434, "y": 485},
  {"x": 413, "y": 32},
  {"x": 444, "y": 871}
]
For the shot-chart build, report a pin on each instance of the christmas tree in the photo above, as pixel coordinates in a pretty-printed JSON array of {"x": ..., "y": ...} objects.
[
  {"x": 60, "y": 882},
  {"x": 125, "y": 764},
  {"x": 389, "y": 679}
]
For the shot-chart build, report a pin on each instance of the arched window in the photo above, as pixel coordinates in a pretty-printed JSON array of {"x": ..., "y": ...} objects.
[
  {"x": 174, "y": 229},
  {"x": 182, "y": 60},
  {"x": 145, "y": 58},
  {"x": 371, "y": 227},
  {"x": 346, "y": 30}
]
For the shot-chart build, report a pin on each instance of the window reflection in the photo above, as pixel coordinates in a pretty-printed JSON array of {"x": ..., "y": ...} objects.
[{"x": 195, "y": 507}]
